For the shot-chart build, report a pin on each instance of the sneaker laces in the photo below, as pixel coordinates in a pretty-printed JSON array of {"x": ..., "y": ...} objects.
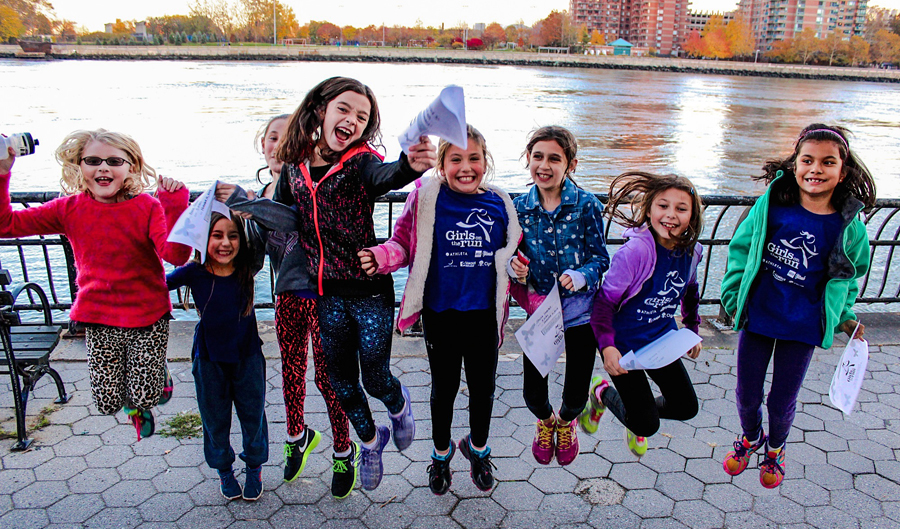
[
  {"x": 770, "y": 466},
  {"x": 484, "y": 464},
  {"x": 739, "y": 449},
  {"x": 339, "y": 465},
  {"x": 288, "y": 449},
  {"x": 545, "y": 435},
  {"x": 564, "y": 435}
]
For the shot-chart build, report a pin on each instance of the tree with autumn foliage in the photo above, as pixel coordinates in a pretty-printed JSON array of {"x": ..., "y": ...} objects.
[
  {"x": 493, "y": 34},
  {"x": 597, "y": 38},
  {"x": 858, "y": 50},
  {"x": 885, "y": 47},
  {"x": 739, "y": 36},
  {"x": 326, "y": 32}
]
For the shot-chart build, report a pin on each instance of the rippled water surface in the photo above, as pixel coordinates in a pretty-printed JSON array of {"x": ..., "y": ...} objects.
[{"x": 196, "y": 121}]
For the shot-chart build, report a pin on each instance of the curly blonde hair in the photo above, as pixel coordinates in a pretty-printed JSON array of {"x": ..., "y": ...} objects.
[{"x": 140, "y": 177}]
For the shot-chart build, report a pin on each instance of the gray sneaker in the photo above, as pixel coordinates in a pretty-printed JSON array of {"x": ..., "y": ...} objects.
[
  {"x": 371, "y": 469},
  {"x": 404, "y": 426}
]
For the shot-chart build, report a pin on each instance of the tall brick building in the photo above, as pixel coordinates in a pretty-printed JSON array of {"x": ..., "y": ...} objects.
[
  {"x": 772, "y": 20},
  {"x": 658, "y": 24}
]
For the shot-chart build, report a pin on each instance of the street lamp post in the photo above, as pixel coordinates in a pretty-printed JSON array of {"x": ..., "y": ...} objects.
[
  {"x": 756, "y": 57},
  {"x": 274, "y": 24}
]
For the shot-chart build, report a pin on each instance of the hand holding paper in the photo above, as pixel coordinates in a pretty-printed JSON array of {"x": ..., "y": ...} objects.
[
  {"x": 848, "y": 377},
  {"x": 662, "y": 352},
  {"x": 542, "y": 337},
  {"x": 192, "y": 227},
  {"x": 445, "y": 117}
]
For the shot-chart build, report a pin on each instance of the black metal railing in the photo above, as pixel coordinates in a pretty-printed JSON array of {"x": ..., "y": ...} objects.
[{"x": 49, "y": 261}]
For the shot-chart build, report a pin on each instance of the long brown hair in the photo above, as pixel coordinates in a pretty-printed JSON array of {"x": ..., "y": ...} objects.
[
  {"x": 563, "y": 137},
  {"x": 305, "y": 125},
  {"x": 473, "y": 135},
  {"x": 639, "y": 189},
  {"x": 857, "y": 182},
  {"x": 243, "y": 263}
]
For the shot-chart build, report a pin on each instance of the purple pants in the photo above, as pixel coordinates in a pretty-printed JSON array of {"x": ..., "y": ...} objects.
[{"x": 791, "y": 361}]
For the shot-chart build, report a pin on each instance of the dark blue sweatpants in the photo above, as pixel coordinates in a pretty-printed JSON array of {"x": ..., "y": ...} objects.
[{"x": 242, "y": 385}]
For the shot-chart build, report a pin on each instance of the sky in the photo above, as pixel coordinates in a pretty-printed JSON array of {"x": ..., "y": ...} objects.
[{"x": 93, "y": 14}]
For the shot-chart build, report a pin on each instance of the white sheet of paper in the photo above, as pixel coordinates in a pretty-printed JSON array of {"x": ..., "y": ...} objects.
[
  {"x": 662, "y": 352},
  {"x": 192, "y": 227},
  {"x": 445, "y": 117},
  {"x": 848, "y": 377},
  {"x": 542, "y": 336}
]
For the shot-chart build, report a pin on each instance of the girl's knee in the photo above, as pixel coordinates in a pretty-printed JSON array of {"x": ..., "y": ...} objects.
[{"x": 645, "y": 428}]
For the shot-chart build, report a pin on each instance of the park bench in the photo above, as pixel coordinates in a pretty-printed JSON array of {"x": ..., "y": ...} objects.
[{"x": 27, "y": 347}]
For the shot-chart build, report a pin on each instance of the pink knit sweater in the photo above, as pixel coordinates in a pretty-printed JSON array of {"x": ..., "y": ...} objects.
[{"x": 118, "y": 250}]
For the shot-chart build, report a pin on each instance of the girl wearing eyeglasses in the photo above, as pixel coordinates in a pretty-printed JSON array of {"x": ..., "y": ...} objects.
[{"x": 118, "y": 235}]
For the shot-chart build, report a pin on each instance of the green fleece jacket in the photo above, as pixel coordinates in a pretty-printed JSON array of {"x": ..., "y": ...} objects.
[{"x": 847, "y": 262}]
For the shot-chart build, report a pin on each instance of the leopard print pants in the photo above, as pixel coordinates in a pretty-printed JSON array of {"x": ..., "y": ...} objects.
[{"x": 127, "y": 366}]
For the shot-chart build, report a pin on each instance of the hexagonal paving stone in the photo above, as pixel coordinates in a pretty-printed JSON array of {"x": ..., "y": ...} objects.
[
  {"x": 648, "y": 503},
  {"x": 517, "y": 496},
  {"x": 28, "y": 459},
  {"x": 828, "y": 517},
  {"x": 119, "y": 518},
  {"x": 142, "y": 467},
  {"x": 177, "y": 479},
  {"x": 304, "y": 491},
  {"x": 779, "y": 510},
  {"x": 94, "y": 425},
  {"x": 166, "y": 507},
  {"x": 829, "y": 477},
  {"x": 130, "y": 493},
  {"x": 108, "y": 456},
  {"x": 607, "y": 516},
  {"x": 852, "y": 462},
  {"x": 291, "y": 516},
  {"x": 393, "y": 488},
  {"x": 806, "y": 493},
  {"x": 728, "y": 497},
  {"x": 206, "y": 517},
  {"x": 877, "y": 487},
  {"x": 679, "y": 486},
  {"x": 663, "y": 460},
  {"x": 40, "y": 495},
  {"x": 553, "y": 480},
  {"x": 60, "y": 468},
  {"x": 633, "y": 476},
  {"x": 15, "y": 479},
  {"x": 423, "y": 502},
  {"x": 698, "y": 514},
  {"x": 93, "y": 480},
  {"x": 478, "y": 512},
  {"x": 349, "y": 508},
  {"x": 589, "y": 465},
  {"x": 567, "y": 508},
  {"x": 390, "y": 516},
  {"x": 75, "y": 508},
  {"x": 30, "y": 518},
  {"x": 77, "y": 446}
]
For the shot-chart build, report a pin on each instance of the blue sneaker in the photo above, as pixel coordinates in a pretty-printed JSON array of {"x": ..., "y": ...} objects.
[
  {"x": 253, "y": 487},
  {"x": 371, "y": 469},
  {"x": 231, "y": 489},
  {"x": 404, "y": 426}
]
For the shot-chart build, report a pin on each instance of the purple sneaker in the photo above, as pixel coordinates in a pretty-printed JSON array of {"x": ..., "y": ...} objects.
[
  {"x": 371, "y": 469},
  {"x": 404, "y": 426}
]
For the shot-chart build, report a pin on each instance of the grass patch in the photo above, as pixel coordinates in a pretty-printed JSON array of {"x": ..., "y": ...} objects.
[
  {"x": 43, "y": 417},
  {"x": 184, "y": 425}
]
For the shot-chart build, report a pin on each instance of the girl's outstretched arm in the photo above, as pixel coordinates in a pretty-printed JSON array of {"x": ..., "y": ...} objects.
[
  {"x": 269, "y": 214},
  {"x": 380, "y": 177},
  {"x": 163, "y": 219},
  {"x": 45, "y": 219}
]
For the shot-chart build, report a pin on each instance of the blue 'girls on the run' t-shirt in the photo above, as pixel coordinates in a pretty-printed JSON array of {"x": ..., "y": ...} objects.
[
  {"x": 468, "y": 230},
  {"x": 786, "y": 300},
  {"x": 651, "y": 312}
]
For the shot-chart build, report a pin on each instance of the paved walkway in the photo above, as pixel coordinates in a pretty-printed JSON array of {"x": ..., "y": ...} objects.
[{"x": 86, "y": 470}]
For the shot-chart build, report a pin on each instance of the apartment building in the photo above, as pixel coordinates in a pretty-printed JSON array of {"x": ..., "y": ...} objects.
[
  {"x": 697, "y": 20},
  {"x": 657, "y": 24},
  {"x": 772, "y": 20}
]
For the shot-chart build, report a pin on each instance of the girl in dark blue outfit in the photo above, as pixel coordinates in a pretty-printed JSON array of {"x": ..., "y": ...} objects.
[{"x": 229, "y": 368}]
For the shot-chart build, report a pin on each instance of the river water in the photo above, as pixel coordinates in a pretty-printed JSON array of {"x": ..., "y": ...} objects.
[{"x": 196, "y": 121}]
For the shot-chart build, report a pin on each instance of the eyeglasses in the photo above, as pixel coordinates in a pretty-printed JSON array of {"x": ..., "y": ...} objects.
[{"x": 112, "y": 161}]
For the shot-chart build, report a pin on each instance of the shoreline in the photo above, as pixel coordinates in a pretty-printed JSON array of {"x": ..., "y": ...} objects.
[{"x": 441, "y": 56}]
